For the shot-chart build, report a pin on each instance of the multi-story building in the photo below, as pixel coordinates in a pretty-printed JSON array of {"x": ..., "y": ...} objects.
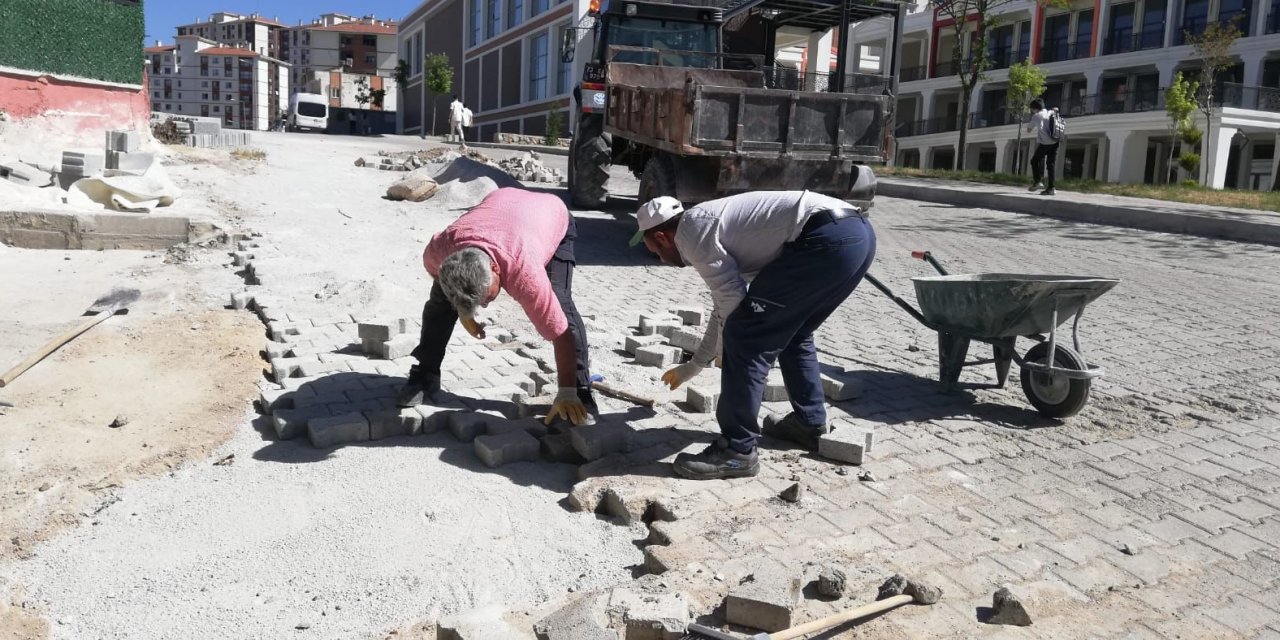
[
  {"x": 1107, "y": 64},
  {"x": 200, "y": 77},
  {"x": 343, "y": 57},
  {"x": 253, "y": 32},
  {"x": 505, "y": 59}
]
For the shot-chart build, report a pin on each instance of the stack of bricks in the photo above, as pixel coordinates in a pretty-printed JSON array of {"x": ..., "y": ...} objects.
[
  {"x": 662, "y": 339},
  {"x": 389, "y": 339},
  {"x": 123, "y": 154}
]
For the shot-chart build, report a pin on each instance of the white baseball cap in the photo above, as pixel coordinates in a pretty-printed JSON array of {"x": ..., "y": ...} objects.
[{"x": 654, "y": 213}]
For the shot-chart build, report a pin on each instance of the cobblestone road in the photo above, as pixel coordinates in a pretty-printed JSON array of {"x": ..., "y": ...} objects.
[{"x": 1154, "y": 513}]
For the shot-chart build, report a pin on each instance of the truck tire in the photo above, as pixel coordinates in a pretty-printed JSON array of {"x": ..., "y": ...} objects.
[
  {"x": 589, "y": 162},
  {"x": 658, "y": 178}
]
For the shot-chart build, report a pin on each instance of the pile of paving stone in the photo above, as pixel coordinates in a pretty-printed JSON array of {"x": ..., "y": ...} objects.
[{"x": 529, "y": 168}]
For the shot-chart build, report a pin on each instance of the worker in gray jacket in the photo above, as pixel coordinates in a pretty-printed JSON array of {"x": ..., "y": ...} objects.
[{"x": 777, "y": 263}]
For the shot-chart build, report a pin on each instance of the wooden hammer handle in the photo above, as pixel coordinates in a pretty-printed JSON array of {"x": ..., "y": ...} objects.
[
  {"x": 50, "y": 346},
  {"x": 623, "y": 395},
  {"x": 822, "y": 624}
]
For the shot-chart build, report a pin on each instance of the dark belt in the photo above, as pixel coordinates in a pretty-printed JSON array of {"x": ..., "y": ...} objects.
[{"x": 827, "y": 216}]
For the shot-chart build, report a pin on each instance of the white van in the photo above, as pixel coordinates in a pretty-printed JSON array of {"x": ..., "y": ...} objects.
[{"x": 308, "y": 111}]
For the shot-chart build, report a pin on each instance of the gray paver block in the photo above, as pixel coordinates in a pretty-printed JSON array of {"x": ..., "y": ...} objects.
[
  {"x": 399, "y": 346},
  {"x": 774, "y": 389},
  {"x": 316, "y": 368},
  {"x": 291, "y": 423},
  {"x": 435, "y": 418},
  {"x": 658, "y": 356},
  {"x": 601, "y": 439},
  {"x": 666, "y": 329},
  {"x": 649, "y": 616},
  {"x": 764, "y": 600},
  {"x": 692, "y": 316},
  {"x": 537, "y": 406},
  {"x": 389, "y": 423},
  {"x": 649, "y": 324},
  {"x": 558, "y": 447},
  {"x": 686, "y": 339},
  {"x": 513, "y": 446},
  {"x": 838, "y": 390},
  {"x": 382, "y": 329},
  {"x": 845, "y": 443},
  {"x": 338, "y": 430},
  {"x": 635, "y": 342},
  {"x": 271, "y": 399},
  {"x": 466, "y": 425},
  {"x": 582, "y": 619},
  {"x": 241, "y": 300},
  {"x": 703, "y": 399},
  {"x": 532, "y": 426}
]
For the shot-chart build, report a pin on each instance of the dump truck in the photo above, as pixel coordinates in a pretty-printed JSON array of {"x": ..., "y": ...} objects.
[{"x": 661, "y": 96}]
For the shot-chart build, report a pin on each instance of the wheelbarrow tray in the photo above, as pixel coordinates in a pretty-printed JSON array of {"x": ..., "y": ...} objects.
[{"x": 1004, "y": 305}]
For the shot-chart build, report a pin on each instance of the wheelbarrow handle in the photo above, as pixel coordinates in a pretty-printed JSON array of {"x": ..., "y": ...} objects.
[{"x": 928, "y": 257}]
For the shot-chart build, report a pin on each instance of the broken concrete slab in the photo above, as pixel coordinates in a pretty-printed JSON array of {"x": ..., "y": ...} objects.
[
  {"x": 649, "y": 616},
  {"x": 582, "y": 619},
  {"x": 513, "y": 446},
  {"x": 1008, "y": 609},
  {"x": 764, "y": 600}
]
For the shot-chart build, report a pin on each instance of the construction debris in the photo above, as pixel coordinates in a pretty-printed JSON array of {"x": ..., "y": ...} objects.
[
  {"x": 1008, "y": 609},
  {"x": 831, "y": 582},
  {"x": 764, "y": 600},
  {"x": 793, "y": 493},
  {"x": 529, "y": 168}
]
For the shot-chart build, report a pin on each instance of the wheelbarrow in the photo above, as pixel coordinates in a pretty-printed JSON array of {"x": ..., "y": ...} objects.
[{"x": 998, "y": 308}]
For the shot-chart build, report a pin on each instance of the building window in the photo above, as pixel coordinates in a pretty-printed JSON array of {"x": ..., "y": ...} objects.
[
  {"x": 538, "y": 6},
  {"x": 226, "y": 85},
  {"x": 515, "y": 12},
  {"x": 217, "y": 109},
  {"x": 204, "y": 96},
  {"x": 204, "y": 83},
  {"x": 1024, "y": 41},
  {"x": 494, "y": 24},
  {"x": 168, "y": 107},
  {"x": 1084, "y": 34},
  {"x": 417, "y": 54},
  {"x": 179, "y": 106},
  {"x": 370, "y": 41},
  {"x": 371, "y": 59},
  {"x": 1195, "y": 17},
  {"x": 477, "y": 19},
  {"x": 1120, "y": 35},
  {"x": 538, "y": 67},
  {"x": 564, "y": 70},
  {"x": 1234, "y": 11},
  {"x": 155, "y": 94}
]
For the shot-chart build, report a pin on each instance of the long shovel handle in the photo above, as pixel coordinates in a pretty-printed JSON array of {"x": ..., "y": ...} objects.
[
  {"x": 822, "y": 624},
  {"x": 50, "y": 347}
]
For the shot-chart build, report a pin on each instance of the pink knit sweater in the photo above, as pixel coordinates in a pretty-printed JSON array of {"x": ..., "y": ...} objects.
[{"x": 520, "y": 231}]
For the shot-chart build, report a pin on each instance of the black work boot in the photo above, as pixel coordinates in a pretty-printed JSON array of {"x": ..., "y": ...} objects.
[
  {"x": 717, "y": 461},
  {"x": 420, "y": 388},
  {"x": 793, "y": 428}
]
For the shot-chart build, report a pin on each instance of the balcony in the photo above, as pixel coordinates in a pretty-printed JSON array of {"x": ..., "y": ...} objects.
[
  {"x": 1003, "y": 58},
  {"x": 1060, "y": 49},
  {"x": 1238, "y": 96},
  {"x": 991, "y": 118},
  {"x": 1139, "y": 101},
  {"x": 944, "y": 69},
  {"x": 911, "y": 74},
  {"x": 925, "y": 127},
  {"x": 1126, "y": 41}
]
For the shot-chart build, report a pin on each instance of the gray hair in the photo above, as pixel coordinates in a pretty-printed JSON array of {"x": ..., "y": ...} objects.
[{"x": 465, "y": 277}]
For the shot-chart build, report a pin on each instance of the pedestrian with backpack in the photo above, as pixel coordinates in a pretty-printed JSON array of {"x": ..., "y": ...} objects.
[{"x": 1049, "y": 129}]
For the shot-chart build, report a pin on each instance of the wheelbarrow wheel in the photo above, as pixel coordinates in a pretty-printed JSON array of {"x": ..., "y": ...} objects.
[{"x": 1055, "y": 396}]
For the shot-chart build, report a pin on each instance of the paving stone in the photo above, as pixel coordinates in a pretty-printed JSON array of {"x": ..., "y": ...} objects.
[
  {"x": 338, "y": 430},
  {"x": 635, "y": 342},
  {"x": 649, "y": 616},
  {"x": 648, "y": 324},
  {"x": 382, "y": 330},
  {"x": 435, "y": 418},
  {"x": 466, "y": 425},
  {"x": 389, "y": 423},
  {"x": 558, "y": 447},
  {"x": 693, "y": 316},
  {"x": 601, "y": 439},
  {"x": 686, "y": 339},
  {"x": 658, "y": 356},
  {"x": 318, "y": 368},
  {"x": 627, "y": 501},
  {"x": 399, "y": 346},
  {"x": 764, "y": 600},
  {"x": 774, "y": 389},
  {"x": 271, "y": 399},
  {"x": 534, "y": 406},
  {"x": 838, "y": 390},
  {"x": 703, "y": 399},
  {"x": 581, "y": 619},
  {"x": 845, "y": 443},
  {"x": 292, "y": 423},
  {"x": 485, "y": 623},
  {"x": 532, "y": 426},
  {"x": 513, "y": 446}
]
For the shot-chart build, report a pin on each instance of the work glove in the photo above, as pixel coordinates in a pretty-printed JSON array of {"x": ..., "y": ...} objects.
[
  {"x": 569, "y": 406},
  {"x": 681, "y": 374},
  {"x": 476, "y": 329}
]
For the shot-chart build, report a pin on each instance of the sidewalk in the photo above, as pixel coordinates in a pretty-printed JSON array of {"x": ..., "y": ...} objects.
[{"x": 1244, "y": 225}]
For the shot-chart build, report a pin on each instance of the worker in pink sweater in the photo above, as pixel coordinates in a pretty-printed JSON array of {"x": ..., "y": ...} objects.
[{"x": 521, "y": 242}]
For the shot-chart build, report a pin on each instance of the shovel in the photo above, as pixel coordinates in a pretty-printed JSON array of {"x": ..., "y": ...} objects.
[{"x": 117, "y": 301}]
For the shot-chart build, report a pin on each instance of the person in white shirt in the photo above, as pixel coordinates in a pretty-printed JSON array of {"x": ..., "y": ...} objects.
[
  {"x": 1046, "y": 149},
  {"x": 456, "y": 133},
  {"x": 777, "y": 263}
]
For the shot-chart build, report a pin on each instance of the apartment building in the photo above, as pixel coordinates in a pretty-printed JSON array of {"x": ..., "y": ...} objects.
[
  {"x": 200, "y": 77},
  {"x": 253, "y": 32},
  {"x": 1107, "y": 63},
  {"x": 342, "y": 57},
  {"x": 505, "y": 56}
]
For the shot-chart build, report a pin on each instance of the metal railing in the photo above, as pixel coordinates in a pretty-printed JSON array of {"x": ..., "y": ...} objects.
[
  {"x": 911, "y": 74},
  {"x": 1005, "y": 57},
  {"x": 1060, "y": 49},
  {"x": 991, "y": 118},
  {"x": 1126, "y": 41},
  {"x": 944, "y": 69},
  {"x": 1238, "y": 96},
  {"x": 925, "y": 127},
  {"x": 794, "y": 80},
  {"x": 1091, "y": 105}
]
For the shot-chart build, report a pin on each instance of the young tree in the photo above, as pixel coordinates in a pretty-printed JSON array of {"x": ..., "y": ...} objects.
[
  {"x": 972, "y": 20},
  {"x": 1179, "y": 103},
  {"x": 439, "y": 81},
  {"x": 1211, "y": 49},
  {"x": 363, "y": 95},
  {"x": 1026, "y": 83}
]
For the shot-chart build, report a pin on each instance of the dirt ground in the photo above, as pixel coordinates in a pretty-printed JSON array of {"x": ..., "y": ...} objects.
[{"x": 178, "y": 367}]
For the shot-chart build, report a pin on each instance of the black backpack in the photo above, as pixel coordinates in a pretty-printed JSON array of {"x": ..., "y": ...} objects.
[{"x": 1057, "y": 127}]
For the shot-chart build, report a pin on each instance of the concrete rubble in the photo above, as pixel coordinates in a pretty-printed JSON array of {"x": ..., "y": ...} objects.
[
  {"x": 1007, "y": 609},
  {"x": 529, "y": 168}
]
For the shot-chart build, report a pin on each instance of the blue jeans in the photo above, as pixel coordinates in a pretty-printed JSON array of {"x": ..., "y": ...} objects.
[{"x": 789, "y": 299}]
